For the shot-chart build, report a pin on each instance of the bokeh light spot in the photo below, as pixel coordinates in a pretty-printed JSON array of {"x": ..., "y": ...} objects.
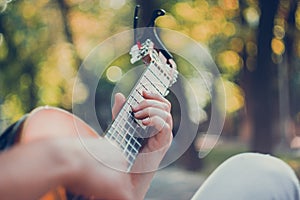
[{"x": 114, "y": 73}]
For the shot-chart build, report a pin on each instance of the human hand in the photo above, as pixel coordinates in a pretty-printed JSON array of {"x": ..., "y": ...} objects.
[{"x": 153, "y": 111}]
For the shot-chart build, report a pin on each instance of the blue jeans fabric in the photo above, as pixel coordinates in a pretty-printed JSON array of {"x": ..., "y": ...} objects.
[{"x": 251, "y": 176}]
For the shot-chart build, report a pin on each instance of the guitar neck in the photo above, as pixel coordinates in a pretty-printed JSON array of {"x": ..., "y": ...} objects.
[{"x": 126, "y": 131}]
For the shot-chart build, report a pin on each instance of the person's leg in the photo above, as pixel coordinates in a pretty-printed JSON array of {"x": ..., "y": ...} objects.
[{"x": 250, "y": 176}]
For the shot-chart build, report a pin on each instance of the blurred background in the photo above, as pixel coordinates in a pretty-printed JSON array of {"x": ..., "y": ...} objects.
[{"x": 255, "y": 44}]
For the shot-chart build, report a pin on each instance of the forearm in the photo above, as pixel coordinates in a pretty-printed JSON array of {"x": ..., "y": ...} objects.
[{"x": 28, "y": 171}]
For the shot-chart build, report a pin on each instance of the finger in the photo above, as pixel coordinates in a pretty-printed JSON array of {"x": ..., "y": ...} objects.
[
  {"x": 151, "y": 103},
  {"x": 153, "y": 100},
  {"x": 157, "y": 122},
  {"x": 155, "y": 96},
  {"x": 161, "y": 138},
  {"x": 118, "y": 104},
  {"x": 151, "y": 112}
]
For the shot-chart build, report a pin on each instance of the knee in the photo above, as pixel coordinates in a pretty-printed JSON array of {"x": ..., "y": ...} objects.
[
  {"x": 261, "y": 166},
  {"x": 259, "y": 162},
  {"x": 251, "y": 176}
]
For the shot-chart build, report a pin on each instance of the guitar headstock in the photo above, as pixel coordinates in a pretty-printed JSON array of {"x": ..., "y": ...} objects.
[
  {"x": 150, "y": 55},
  {"x": 149, "y": 48}
]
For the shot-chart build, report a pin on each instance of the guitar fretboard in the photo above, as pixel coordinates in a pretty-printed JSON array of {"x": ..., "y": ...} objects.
[{"x": 126, "y": 131}]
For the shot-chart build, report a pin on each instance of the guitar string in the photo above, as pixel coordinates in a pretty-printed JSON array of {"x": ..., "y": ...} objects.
[
  {"x": 136, "y": 100},
  {"x": 114, "y": 133},
  {"x": 132, "y": 151}
]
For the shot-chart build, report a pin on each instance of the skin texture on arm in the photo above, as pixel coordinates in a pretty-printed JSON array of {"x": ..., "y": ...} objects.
[
  {"x": 29, "y": 170},
  {"x": 34, "y": 169},
  {"x": 22, "y": 171}
]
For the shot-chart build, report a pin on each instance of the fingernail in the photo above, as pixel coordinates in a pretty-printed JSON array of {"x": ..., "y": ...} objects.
[
  {"x": 136, "y": 114},
  {"x": 146, "y": 121}
]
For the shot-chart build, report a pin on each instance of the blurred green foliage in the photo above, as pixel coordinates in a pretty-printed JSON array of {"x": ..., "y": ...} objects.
[{"x": 44, "y": 42}]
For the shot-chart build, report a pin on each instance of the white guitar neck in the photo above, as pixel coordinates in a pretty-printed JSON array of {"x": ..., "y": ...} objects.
[{"x": 125, "y": 131}]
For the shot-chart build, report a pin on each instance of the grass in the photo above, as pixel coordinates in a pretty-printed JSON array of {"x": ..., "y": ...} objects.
[{"x": 221, "y": 153}]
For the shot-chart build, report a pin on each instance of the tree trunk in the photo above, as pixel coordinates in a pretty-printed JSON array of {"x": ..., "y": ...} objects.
[
  {"x": 189, "y": 159},
  {"x": 262, "y": 94}
]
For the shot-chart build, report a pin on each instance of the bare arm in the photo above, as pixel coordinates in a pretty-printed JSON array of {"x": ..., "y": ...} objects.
[{"x": 27, "y": 171}]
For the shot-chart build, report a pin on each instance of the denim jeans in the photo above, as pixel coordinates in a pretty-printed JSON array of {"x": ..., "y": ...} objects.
[{"x": 251, "y": 176}]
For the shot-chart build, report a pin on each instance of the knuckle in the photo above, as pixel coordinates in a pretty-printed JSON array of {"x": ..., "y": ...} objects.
[
  {"x": 156, "y": 119},
  {"x": 167, "y": 115},
  {"x": 167, "y": 128},
  {"x": 145, "y": 103},
  {"x": 168, "y": 105},
  {"x": 142, "y": 103}
]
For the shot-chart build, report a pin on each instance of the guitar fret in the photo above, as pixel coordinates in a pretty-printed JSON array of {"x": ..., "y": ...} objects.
[
  {"x": 144, "y": 87},
  {"x": 130, "y": 158},
  {"x": 162, "y": 87},
  {"x": 129, "y": 124},
  {"x": 154, "y": 86},
  {"x": 145, "y": 84},
  {"x": 160, "y": 80},
  {"x": 159, "y": 71},
  {"x": 130, "y": 146},
  {"x": 134, "y": 99},
  {"x": 120, "y": 124},
  {"x": 138, "y": 92},
  {"x": 157, "y": 62},
  {"x": 119, "y": 139}
]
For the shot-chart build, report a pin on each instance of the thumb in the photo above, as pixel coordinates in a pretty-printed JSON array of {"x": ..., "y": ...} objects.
[{"x": 119, "y": 102}]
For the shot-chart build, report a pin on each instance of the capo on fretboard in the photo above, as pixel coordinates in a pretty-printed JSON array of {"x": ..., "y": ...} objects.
[{"x": 151, "y": 33}]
